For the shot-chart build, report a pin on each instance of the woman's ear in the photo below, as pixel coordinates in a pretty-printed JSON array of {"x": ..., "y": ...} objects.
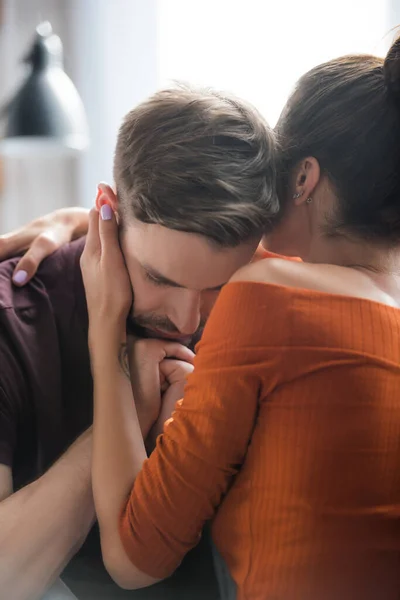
[
  {"x": 106, "y": 195},
  {"x": 307, "y": 177}
]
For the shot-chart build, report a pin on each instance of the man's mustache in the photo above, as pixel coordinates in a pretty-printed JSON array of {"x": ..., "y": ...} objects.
[{"x": 142, "y": 326}]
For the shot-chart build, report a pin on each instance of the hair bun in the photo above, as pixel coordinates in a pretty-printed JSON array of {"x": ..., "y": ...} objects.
[{"x": 391, "y": 69}]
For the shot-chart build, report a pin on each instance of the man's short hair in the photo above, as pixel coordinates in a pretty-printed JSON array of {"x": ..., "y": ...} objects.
[{"x": 197, "y": 161}]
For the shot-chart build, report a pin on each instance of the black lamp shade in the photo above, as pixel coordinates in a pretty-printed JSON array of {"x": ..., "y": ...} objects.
[{"x": 48, "y": 106}]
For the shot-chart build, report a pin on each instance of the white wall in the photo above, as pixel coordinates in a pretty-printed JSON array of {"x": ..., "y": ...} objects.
[
  {"x": 114, "y": 58},
  {"x": 394, "y": 15},
  {"x": 259, "y": 48}
]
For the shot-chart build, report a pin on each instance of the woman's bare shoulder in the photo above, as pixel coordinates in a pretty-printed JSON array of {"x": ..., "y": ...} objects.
[
  {"x": 329, "y": 279},
  {"x": 280, "y": 271}
]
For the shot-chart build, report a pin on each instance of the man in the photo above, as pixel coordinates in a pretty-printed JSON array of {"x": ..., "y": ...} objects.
[{"x": 195, "y": 180}]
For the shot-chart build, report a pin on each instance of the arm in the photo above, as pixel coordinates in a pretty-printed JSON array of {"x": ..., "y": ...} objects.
[
  {"x": 120, "y": 430},
  {"x": 41, "y": 238},
  {"x": 118, "y": 453},
  {"x": 43, "y": 525},
  {"x": 119, "y": 450}
]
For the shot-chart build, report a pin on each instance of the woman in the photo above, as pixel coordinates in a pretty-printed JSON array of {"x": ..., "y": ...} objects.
[{"x": 288, "y": 434}]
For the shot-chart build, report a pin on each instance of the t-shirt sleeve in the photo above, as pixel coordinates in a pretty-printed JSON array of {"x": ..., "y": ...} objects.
[{"x": 204, "y": 444}]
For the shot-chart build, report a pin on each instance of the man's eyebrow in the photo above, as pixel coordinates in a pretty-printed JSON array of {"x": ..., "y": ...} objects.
[{"x": 154, "y": 274}]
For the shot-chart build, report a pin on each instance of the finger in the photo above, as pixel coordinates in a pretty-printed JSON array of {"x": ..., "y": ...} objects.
[
  {"x": 175, "y": 370},
  {"x": 168, "y": 364},
  {"x": 176, "y": 350},
  {"x": 15, "y": 242},
  {"x": 108, "y": 230},
  {"x": 44, "y": 245},
  {"x": 93, "y": 245}
]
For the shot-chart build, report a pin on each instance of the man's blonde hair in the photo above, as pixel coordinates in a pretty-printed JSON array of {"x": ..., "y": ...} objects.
[{"x": 197, "y": 161}]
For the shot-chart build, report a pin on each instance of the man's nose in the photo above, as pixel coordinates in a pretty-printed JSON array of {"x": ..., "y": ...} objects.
[{"x": 186, "y": 314}]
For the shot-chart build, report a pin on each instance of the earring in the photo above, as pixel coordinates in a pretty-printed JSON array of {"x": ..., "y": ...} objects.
[
  {"x": 309, "y": 200},
  {"x": 298, "y": 195}
]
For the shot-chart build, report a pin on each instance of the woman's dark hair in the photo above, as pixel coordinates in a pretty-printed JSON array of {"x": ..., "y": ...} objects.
[{"x": 346, "y": 114}]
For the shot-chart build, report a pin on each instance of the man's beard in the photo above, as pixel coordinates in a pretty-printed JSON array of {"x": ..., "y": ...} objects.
[{"x": 142, "y": 327}]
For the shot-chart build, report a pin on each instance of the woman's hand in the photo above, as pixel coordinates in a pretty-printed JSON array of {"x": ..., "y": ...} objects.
[
  {"x": 41, "y": 238},
  {"x": 107, "y": 285}
]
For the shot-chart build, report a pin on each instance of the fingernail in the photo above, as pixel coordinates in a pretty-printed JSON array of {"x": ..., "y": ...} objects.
[
  {"x": 20, "y": 277},
  {"x": 106, "y": 212}
]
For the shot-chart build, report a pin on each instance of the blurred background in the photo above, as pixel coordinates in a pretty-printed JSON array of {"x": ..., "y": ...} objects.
[{"x": 117, "y": 52}]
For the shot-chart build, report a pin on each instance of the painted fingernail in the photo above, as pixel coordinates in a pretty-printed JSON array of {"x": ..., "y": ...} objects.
[
  {"x": 20, "y": 277},
  {"x": 106, "y": 212}
]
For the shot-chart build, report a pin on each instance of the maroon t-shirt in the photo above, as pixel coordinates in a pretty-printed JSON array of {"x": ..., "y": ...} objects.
[{"x": 45, "y": 380}]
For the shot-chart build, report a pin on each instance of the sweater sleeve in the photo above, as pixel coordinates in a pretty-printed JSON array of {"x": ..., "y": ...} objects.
[{"x": 205, "y": 442}]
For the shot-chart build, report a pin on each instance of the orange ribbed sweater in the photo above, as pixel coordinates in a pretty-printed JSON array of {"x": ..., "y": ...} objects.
[{"x": 288, "y": 437}]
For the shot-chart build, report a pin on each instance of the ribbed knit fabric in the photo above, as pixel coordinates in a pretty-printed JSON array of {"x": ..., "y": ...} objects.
[{"x": 288, "y": 437}]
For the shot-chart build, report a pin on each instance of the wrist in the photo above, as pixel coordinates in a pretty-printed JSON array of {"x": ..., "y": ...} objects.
[
  {"x": 106, "y": 332},
  {"x": 108, "y": 355}
]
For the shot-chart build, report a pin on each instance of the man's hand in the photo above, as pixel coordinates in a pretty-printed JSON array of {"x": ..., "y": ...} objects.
[
  {"x": 158, "y": 369},
  {"x": 174, "y": 374},
  {"x": 41, "y": 238}
]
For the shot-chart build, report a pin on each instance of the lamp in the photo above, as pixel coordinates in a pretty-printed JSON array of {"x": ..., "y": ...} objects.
[{"x": 46, "y": 116}]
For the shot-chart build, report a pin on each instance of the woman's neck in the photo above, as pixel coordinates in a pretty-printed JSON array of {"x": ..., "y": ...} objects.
[
  {"x": 363, "y": 255},
  {"x": 380, "y": 264}
]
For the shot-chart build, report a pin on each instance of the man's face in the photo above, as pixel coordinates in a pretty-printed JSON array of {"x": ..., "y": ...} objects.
[{"x": 176, "y": 278}]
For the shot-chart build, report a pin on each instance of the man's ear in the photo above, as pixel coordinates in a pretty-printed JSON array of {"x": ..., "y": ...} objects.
[{"x": 106, "y": 195}]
